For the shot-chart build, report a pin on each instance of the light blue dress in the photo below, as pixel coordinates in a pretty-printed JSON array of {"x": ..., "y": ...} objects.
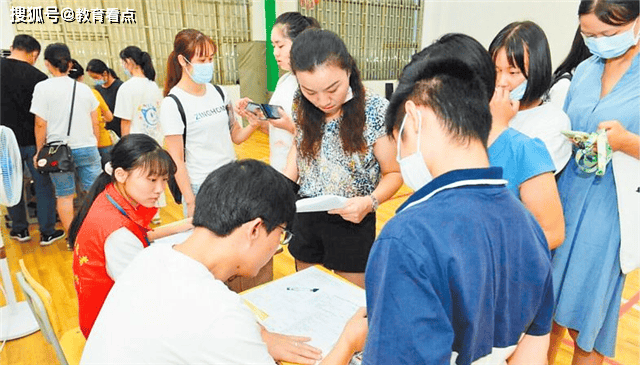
[{"x": 587, "y": 278}]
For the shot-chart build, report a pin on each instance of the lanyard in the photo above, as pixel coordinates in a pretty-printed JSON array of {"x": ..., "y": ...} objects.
[
  {"x": 456, "y": 185},
  {"x": 121, "y": 210}
]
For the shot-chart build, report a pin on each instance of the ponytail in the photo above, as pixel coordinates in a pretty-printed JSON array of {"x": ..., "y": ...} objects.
[
  {"x": 58, "y": 55},
  {"x": 140, "y": 58},
  {"x": 174, "y": 73},
  {"x": 294, "y": 23}
]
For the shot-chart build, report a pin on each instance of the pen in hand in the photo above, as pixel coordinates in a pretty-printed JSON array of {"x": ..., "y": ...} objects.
[{"x": 297, "y": 288}]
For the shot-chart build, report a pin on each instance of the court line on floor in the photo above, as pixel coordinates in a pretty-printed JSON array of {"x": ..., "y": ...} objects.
[{"x": 629, "y": 304}]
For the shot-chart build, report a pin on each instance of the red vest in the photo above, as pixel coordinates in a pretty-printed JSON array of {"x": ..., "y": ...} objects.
[{"x": 89, "y": 268}]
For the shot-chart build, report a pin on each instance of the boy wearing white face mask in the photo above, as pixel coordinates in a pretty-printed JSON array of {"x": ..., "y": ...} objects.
[
  {"x": 196, "y": 117},
  {"x": 462, "y": 273}
]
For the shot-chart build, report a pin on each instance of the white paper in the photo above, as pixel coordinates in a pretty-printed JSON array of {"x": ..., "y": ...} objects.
[
  {"x": 320, "y": 315},
  {"x": 320, "y": 204}
]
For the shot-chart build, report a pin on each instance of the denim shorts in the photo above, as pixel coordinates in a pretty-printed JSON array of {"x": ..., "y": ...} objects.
[{"x": 87, "y": 163}]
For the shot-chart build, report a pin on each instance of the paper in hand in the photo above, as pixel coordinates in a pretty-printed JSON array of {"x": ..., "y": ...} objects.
[{"x": 320, "y": 204}]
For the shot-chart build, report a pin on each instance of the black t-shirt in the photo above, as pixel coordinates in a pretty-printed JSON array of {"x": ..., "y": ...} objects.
[
  {"x": 109, "y": 96},
  {"x": 17, "y": 81}
]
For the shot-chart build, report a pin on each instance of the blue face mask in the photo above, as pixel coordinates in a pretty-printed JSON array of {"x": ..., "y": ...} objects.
[
  {"x": 202, "y": 72},
  {"x": 613, "y": 46},
  {"x": 127, "y": 73},
  {"x": 99, "y": 82},
  {"x": 518, "y": 92}
]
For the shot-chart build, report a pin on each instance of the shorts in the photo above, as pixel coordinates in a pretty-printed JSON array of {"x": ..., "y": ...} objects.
[
  {"x": 327, "y": 239},
  {"x": 87, "y": 163}
]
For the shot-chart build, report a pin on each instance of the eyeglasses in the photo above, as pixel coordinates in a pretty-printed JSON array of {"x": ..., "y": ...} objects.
[{"x": 286, "y": 236}]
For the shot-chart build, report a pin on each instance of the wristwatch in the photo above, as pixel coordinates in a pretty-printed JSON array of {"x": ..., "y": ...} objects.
[{"x": 374, "y": 203}]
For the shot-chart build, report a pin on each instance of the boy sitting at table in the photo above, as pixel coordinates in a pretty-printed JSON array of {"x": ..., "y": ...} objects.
[{"x": 171, "y": 305}]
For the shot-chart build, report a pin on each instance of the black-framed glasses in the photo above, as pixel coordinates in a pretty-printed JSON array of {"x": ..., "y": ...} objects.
[{"x": 286, "y": 236}]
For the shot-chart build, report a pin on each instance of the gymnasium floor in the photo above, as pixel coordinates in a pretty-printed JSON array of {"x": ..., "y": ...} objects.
[{"x": 51, "y": 266}]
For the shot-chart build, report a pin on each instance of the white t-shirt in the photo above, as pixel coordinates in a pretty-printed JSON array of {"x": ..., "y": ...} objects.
[
  {"x": 280, "y": 140},
  {"x": 52, "y": 102},
  {"x": 167, "y": 308},
  {"x": 138, "y": 100},
  {"x": 120, "y": 248},
  {"x": 558, "y": 92},
  {"x": 546, "y": 122},
  {"x": 208, "y": 142}
]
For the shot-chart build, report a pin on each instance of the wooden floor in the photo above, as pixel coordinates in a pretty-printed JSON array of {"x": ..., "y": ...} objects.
[{"x": 51, "y": 266}]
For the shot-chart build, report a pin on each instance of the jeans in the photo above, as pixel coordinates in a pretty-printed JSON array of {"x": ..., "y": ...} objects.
[
  {"x": 87, "y": 162},
  {"x": 44, "y": 197}
]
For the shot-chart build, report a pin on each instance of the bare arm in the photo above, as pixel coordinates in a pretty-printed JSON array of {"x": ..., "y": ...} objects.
[
  {"x": 40, "y": 131},
  {"x": 125, "y": 126},
  {"x": 532, "y": 350},
  {"x": 175, "y": 147},
  {"x": 291, "y": 169},
  {"x": 540, "y": 195},
  {"x": 240, "y": 134},
  {"x": 94, "y": 123},
  {"x": 358, "y": 207},
  {"x": 351, "y": 340},
  {"x": 621, "y": 139},
  {"x": 107, "y": 115},
  {"x": 169, "y": 229}
]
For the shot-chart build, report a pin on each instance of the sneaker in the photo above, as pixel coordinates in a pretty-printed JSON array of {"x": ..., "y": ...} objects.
[
  {"x": 47, "y": 239},
  {"x": 21, "y": 236}
]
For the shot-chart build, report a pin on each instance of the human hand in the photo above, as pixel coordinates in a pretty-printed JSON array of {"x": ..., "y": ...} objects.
[
  {"x": 284, "y": 122},
  {"x": 191, "y": 207},
  {"x": 290, "y": 348},
  {"x": 617, "y": 135},
  {"x": 355, "y": 331},
  {"x": 355, "y": 209},
  {"x": 503, "y": 109}
]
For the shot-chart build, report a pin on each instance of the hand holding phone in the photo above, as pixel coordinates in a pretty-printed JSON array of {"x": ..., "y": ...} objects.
[{"x": 269, "y": 111}]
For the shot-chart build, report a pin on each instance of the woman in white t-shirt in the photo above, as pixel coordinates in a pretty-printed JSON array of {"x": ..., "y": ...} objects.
[
  {"x": 522, "y": 58},
  {"x": 138, "y": 99},
  {"x": 210, "y": 122},
  {"x": 51, "y": 104},
  {"x": 281, "y": 131}
]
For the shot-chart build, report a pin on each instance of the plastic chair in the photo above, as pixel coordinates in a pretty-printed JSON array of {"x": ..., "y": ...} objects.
[{"x": 69, "y": 347}]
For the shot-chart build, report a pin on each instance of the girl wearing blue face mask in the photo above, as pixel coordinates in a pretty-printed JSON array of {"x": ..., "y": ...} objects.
[
  {"x": 197, "y": 117},
  {"x": 522, "y": 58},
  {"x": 601, "y": 212}
]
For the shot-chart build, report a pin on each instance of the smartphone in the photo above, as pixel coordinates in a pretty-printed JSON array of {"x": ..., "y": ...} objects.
[
  {"x": 253, "y": 107},
  {"x": 271, "y": 111}
]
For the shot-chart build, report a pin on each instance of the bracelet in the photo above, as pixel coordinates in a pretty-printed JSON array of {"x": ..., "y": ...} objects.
[{"x": 374, "y": 203}]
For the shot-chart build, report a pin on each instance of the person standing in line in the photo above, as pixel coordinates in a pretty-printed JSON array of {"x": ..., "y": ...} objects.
[
  {"x": 104, "y": 114},
  {"x": 19, "y": 78},
  {"x": 200, "y": 140},
  {"x": 52, "y": 102},
  {"x": 281, "y": 131},
  {"x": 462, "y": 273},
  {"x": 340, "y": 149},
  {"x": 107, "y": 83},
  {"x": 522, "y": 58},
  {"x": 601, "y": 212},
  {"x": 138, "y": 99}
]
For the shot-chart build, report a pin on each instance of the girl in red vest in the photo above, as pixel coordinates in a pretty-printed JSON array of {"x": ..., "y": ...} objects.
[{"x": 112, "y": 225}]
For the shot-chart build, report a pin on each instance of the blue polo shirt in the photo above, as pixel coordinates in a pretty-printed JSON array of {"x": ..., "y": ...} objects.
[{"x": 461, "y": 272}]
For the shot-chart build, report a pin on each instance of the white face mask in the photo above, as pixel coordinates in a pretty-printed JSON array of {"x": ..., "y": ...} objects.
[{"x": 413, "y": 169}]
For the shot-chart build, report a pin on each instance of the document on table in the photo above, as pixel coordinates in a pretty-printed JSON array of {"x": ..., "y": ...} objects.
[
  {"x": 320, "y": 203},
  {"x": 173, "y": 239},
  {"x": 310, "y": 303}
]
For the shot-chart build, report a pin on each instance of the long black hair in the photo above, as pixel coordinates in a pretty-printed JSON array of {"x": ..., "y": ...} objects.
[
  {"x": 313, "y": 48},
  {"x": 76, "y": 69},
  {"x": 99, "y": 67},
  {"x": 59, "y": 56},
  {"x": 131, "y": 152},
  {"x": 140, "y": 58},
  {"x": 578, "y": 53}
]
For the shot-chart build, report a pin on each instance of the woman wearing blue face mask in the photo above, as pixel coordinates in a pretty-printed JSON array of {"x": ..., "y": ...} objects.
[
  {"x": 601, "y": 212},
  {"x": 197, "y": 117},
  {"x": 107, "y": 83},
  {"x": 522, "y": 58}
]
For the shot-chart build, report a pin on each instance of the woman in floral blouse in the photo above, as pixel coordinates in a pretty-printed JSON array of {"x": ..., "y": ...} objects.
[{"x": 341, "y": 149}]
